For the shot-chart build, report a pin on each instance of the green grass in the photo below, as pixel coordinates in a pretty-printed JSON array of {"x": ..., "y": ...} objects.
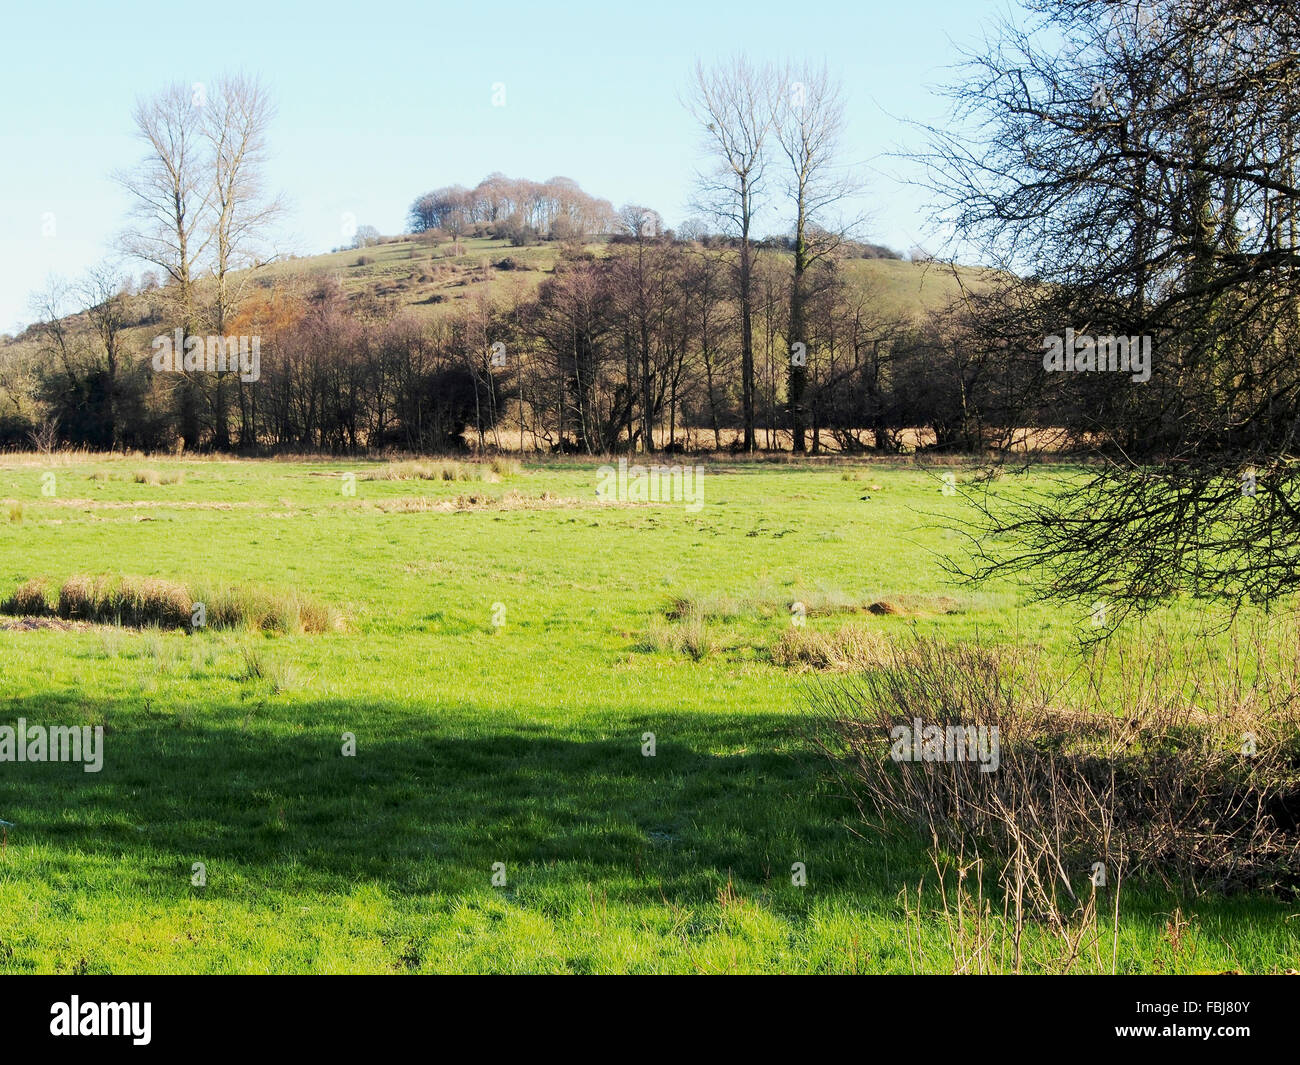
[{"x": 478, "y": 743}]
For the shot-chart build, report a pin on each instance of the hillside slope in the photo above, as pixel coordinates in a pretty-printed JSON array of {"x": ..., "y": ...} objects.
[{"x": 429, "y": 279}]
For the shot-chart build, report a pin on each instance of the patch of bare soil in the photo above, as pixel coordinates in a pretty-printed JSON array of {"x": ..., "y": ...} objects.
[
  {"x": 41, "y": 624},
  {"x": 914, "y": 606}
]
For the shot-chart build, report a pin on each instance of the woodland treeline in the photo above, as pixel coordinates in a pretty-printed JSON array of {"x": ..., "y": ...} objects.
[{"x": 635, "y": 337}]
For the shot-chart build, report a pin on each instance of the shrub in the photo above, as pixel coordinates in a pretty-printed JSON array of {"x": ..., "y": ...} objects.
[{"x": 1129, "y": 771}]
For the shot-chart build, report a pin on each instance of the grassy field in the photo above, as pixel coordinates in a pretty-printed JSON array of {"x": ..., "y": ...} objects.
[{"x": 504, "y": 658}]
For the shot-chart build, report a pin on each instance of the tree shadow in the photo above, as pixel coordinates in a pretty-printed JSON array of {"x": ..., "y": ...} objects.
[{"x": 429, "y": 804}]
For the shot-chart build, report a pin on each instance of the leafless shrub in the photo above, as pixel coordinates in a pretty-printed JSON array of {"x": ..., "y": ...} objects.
[
  {"x": 45, "y": 437},
  {"x": 982, "y": 931},
  {"x": 1157, "y": 762}
]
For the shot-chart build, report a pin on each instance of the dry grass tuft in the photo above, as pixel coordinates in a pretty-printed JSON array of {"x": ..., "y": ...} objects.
[
  {"x": 768, "y": 602},
  {"x": 30, "y": 599},
  {"x": 444, "y": 470},
  {"x": 848, "y": 648},
  {"x": 155, "y": 477},
  {"x": 143, "y": 602},
  {"x": 133, "y": 601}
]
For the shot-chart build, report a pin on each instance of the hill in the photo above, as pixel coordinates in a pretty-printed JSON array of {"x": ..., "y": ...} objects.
[{"x": 429, "y": 279}]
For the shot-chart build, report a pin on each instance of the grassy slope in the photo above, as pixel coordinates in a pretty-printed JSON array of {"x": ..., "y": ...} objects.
[
  {"x": 400, "y": 270},
  {"x": 476, "y": 745}
]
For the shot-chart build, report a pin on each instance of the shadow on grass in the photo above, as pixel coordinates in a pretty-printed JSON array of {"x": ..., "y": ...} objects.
[
  {"x": 428, "y": 804},
  {"x": 262, "y": 795}
]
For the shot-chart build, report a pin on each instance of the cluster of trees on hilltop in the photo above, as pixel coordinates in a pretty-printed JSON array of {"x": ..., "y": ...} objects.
[{"x": 514, "y": 209}]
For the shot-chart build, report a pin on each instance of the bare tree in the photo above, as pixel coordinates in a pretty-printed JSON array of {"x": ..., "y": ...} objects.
[
  {"x": 171, "y": 192},
  {"x": 809, "y": 123},
  {"x": 234, "y": 125},
  {"x": 105, "y": 296},
  {"x": 704, "y": 275},
  {"x": 1133, "y": 163},
  {"x": 45, "y": 437},
  {"x": 59, "y": 342},
  {"x": 734, "y": 104},
  {"x": 641, "y": 223}
]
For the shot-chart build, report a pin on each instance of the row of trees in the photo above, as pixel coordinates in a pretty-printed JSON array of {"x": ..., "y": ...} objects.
[
  {"x": 635, "y": 347},
  {"x": 766, "y": 131}
]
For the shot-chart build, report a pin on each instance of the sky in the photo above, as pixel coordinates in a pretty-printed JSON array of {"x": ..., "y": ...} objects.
[{"x": 380, "y": 101}]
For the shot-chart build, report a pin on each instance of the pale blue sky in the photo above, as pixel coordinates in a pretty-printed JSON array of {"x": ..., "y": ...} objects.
[{"x": 383, "y": 100}]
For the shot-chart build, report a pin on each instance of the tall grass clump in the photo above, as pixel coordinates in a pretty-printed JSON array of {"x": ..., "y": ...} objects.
[
  {"x": 687, "y": 635},
  {"x": 268, "y": 610},
  {"x": 134, "y": 601},
  {"x": 156, "y": 477},
  {"x": 142, "y": 602},
  {"x": 848, "y": 648},
  {"x": 29, "y": 599},
  {"x": 443, "y": 470}
]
